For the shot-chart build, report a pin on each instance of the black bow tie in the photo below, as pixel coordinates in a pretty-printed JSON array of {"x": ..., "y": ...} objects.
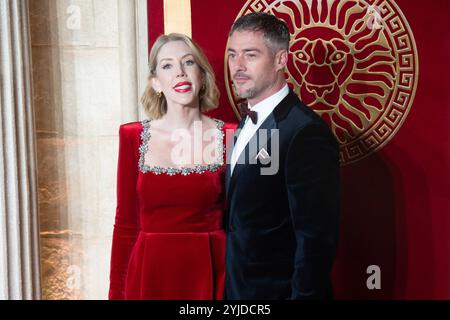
[{"x": 245, "y": 111}]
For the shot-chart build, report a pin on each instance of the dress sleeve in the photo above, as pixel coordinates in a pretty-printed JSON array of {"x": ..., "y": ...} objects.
[{"x": 127, "y": 226}]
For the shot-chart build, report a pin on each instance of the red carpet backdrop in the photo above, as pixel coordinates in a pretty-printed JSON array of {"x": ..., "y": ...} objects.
[{"x": 378, "y": 73}]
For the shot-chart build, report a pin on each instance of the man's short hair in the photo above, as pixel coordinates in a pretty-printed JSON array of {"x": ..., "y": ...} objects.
[{"x": 275, "y": 31}]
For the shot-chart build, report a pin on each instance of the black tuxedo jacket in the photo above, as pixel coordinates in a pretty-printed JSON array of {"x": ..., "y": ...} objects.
[{"x": 282, "y": 227}]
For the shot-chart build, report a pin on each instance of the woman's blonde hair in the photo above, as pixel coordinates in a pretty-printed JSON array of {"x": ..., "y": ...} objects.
[{"x": 154, "y": 104}]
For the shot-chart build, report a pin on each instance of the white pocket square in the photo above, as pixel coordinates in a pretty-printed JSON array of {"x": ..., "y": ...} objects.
[{"x": 263, "y": 156}]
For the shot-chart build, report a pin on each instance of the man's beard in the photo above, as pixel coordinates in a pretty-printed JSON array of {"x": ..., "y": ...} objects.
[{"x": 250, "y": 93}]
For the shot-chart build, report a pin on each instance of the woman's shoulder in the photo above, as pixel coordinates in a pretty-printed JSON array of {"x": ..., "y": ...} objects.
[{"x": 131, "y": 129}]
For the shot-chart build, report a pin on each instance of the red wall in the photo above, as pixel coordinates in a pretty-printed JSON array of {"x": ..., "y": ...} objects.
[{"x": 395, "y": 202}]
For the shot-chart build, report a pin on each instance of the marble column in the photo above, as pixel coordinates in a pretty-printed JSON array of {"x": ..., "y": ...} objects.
[{"x": 19, "y": 240}]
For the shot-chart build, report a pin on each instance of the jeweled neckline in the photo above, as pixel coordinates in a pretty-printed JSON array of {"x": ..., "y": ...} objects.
[{"x": 143, "y": 148}]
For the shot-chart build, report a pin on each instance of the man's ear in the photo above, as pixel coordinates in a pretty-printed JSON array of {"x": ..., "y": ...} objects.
[
  {"x": 156, "y": 85},
  {"x": 281, "y": 59}
]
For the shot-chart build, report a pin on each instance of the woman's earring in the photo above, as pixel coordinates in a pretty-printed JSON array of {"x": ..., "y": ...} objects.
[{"x": 159, "y": 94}]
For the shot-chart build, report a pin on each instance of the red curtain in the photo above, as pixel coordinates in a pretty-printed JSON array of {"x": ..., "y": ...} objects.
[{"x": 395, "y": 199}]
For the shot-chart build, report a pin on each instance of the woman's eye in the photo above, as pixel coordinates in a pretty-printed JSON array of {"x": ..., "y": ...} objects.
[
  {"x": 166, "y": 66},
  {"x": 190, "y": 62}
]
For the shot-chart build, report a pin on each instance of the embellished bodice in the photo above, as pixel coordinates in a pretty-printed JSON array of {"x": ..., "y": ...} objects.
[{"x": 144, "y": 148}]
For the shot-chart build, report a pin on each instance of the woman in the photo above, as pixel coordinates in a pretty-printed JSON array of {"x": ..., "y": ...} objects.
[{"x": 168, "y": 241}]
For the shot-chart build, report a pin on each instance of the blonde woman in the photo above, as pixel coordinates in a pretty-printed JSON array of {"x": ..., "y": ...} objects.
[{"x": 168, "y": 240}]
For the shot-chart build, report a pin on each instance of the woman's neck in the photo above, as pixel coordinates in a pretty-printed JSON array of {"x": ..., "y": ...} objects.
[{"x": 180, "y": 117}]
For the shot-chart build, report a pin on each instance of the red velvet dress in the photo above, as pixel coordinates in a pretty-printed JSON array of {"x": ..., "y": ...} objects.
[{"x": 168, "y": 240}]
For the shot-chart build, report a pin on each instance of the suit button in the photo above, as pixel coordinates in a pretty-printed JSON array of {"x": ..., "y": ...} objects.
[{"x": 231, "y": 227}]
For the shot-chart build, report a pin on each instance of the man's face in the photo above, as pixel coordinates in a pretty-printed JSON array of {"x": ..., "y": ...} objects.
[{"x": 253, "y": 65}]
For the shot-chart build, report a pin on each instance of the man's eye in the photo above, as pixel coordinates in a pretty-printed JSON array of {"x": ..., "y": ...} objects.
[
  {"x": 251, "y": 55},
  {"x": 231, "y": 56}
]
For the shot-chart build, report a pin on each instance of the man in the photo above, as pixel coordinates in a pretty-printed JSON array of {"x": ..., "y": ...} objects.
[{"x": 282, "y": 225}]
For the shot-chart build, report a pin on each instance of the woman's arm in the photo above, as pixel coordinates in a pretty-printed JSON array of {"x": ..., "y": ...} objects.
[{"x": 126, "y": 225}]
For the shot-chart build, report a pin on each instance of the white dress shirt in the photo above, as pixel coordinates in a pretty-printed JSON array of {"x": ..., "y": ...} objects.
[{"x": 264, "y": 109}]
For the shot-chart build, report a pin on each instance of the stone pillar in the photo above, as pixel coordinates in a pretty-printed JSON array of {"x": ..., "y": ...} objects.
[{"x": 19, "y": 240}]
